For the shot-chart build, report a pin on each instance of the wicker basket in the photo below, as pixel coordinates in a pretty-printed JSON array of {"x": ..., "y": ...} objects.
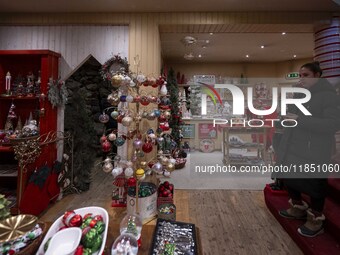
[
  {"x": 33, "y": 247},
  {"x": 180, "y": 165}
]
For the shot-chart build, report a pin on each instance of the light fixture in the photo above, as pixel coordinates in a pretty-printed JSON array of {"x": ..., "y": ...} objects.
[
  {"x": 199, "y": 55},
  {"x": 247, "y": 56},
  {"x": 204, "y": 46},
  {"x": 189, "y": 40},
  {"x": 207, "y": 41},
  {"x": 262, "y": 46},
  {"x": 294, "y": 56},
  {"x": 211, "y": 33},
  {"x": 283, "y": 33},
  {"x": 189, "y": 56}
]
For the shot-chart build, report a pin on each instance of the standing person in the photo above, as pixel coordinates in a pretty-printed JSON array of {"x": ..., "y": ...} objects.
[{"x": 310, "y": 142}]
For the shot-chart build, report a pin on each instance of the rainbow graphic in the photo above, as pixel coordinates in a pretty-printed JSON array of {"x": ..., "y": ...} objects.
[{"x": 211, "y": 91}]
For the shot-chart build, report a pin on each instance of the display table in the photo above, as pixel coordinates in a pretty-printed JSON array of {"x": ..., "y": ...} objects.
[{"x": 146, "y": 238}]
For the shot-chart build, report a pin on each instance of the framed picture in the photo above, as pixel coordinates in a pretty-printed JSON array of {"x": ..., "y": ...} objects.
[{"x": 188, "y": 130}]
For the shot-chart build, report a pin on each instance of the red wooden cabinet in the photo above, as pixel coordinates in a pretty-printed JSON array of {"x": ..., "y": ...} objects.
[{"x": 21, "y": 63}]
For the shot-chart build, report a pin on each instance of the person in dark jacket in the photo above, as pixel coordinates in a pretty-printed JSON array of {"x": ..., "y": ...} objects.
[{"x": 308, "y": 146}]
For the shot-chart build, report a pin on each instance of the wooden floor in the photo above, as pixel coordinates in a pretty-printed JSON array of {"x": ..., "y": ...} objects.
[{"x": 230, "y": 222}]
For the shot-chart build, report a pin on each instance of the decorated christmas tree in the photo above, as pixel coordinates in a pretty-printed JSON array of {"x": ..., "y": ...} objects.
[{"x": 175, "y": 120}]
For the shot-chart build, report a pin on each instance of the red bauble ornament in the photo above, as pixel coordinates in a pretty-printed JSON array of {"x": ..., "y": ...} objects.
[
  {"x": 132, "y": 182},
  {"x": 147, "y": 147},
  {"x": 137, "y": 99},
  {"x": 71, "y": 219},
  {"x": 120, "y": 118},
  {"x": 103, "y": 139},
  {"x": 162, "y": 118},
  {"x": 144, "y": 101},
  {"x": 106, "y": 146}
]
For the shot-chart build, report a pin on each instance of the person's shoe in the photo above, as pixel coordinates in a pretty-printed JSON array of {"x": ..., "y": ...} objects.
[
  {"x": 295, "y": 212},
  {"x": 313, "y": 225}
]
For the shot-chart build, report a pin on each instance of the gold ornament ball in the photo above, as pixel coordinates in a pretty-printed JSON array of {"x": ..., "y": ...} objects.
[
  {"x": 143, "y": 164},
  {"x": 116, "y": 80},
  {"x": 140, "y": 173},
  {"x": 167, "y": 114},
  {"x": 164, "y": 160},
  {"x": 170, "y": 167}
]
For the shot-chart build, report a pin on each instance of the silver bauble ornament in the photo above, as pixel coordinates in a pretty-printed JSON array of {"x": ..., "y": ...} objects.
[
  {"x": 128, "y": 172},
  {"x": 127, "y": 121},
  {"x": 107, "y": 167},
  {"x": 112, "y": 137}
]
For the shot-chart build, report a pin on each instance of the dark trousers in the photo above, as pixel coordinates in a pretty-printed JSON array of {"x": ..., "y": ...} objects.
[{"x": 317, "y": 203}]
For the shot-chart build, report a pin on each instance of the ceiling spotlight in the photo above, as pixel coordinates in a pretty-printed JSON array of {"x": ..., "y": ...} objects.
[
  {"x": 207, "y": 41},
  {"x": 189, "y": 56},
  {"x": 283, "y": 33},
  {"x": 294, "y": 56},
  {"x": 211, "y": 33},
  {"x": 204, "y": 46},
  {"x": 262, "y": 46},
  {"x": 199, "y": 55},
  {"x": 247, "y": 56}
]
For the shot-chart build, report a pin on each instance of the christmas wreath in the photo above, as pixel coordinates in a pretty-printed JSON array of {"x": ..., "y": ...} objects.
[{"x": 114, "y": 65}]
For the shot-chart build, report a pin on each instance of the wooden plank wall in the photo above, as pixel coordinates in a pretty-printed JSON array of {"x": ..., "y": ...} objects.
[{"x": 74, "y": 43}]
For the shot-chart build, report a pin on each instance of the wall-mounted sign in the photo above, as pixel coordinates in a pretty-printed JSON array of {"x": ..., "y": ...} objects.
[
  {"x": 208, "y": 79},
  {"x": 207, "y": 130},
  {"x": 188, "y": 130},
  {"x": 292, "y": 76}
]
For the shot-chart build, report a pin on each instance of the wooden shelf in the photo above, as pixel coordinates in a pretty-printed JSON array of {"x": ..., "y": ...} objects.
[
  {"x": 6, "y": 148},
  {"x": 19, "y": 98}
]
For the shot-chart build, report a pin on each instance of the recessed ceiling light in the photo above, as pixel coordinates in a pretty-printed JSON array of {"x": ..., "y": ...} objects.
[
  {"x": 211, "y": 33},
  {"x": 207, "y": 41},
  {"x": 247, "y": 56},
  {"x": 262, "y": 46},
  {"x": 294, "y": 56},
  {"x": 199, "y": 55},
  {"x": 283, "y": 33},
  {"x": 204, "y": 46}
]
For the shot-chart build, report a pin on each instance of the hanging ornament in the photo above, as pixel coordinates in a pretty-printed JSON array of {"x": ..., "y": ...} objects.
[
  {"x": 153, "y": 99},
  {"x": 129, "y": 98},
  {"x": 120, "y": 117},
  {"x": 160, "y": 140},
  {"x": 172, "y": 160},
  {"x": 119, "y": 141},
  {"x": 126, "y": 80},
  {"x": 102, "y": 139},
  {"x": 106, "y": 146},
  {"x": 141, "y": 78},
  {"x": 145, "y": 114},
  {"x": 132, "y": 84},
  {"x": 128, "y": 172},
  {"x": 112, "y": 137},
  {"x": 137, "y": 143},
  {"x": 144, "y": 101},
  {"x": 157, "y": 167},
  {"x": 123, "y": 98},
  {"x": 107, "y": 167},
  {"x": 137, "y": 99},
  {"x": 170, "y": 167},
  {"x": 157, "y": 113},
  {"x": 126, "y": 121},
  {"x": 152, "y": 82},
  {"x": 151, "y": 116},
  {"x": 166, "y": 173},
  {"x": 114, "y": 115},
  {"x": 104, "y": 118},
  {"x": 147, "y": 146},
  {"x": 163, "y": 91},
  {"x": 164, "y": 161},
  {"x": 113, "y": 99},
  {"x": 150, "y": 131},
  {"x": 129, "y": 164},
  {"x": 162, "y": 118},
  {"x": 117, "y": 80},
  {"x": 167, "y": 114}
]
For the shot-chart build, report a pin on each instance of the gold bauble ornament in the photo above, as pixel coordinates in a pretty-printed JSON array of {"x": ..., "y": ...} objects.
[
  {"x": 164, "y": 160},
  {"x": 170, "y": 167},
  {"x": 143, "y": 164},
  {"x": 117, "y": 80},
  {"x": 167, "y": 114}
]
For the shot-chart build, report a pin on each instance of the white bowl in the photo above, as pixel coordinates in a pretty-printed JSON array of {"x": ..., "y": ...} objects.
[
  {"x": 64, "y": 242},
  {"x": 82, "y": 211}
]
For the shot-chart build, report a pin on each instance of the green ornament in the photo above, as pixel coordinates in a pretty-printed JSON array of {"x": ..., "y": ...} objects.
[
  {"x": 87, "y": 251},
  {"x": 90, "y": 238},
  {"x": 86, "y": 222},
  {"x": 97, "y": 244},
  {"x": 100, "y": 227},
  {"x": 169, "y": 249}
]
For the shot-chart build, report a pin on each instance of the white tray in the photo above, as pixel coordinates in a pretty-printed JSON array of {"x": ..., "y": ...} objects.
[{"x": 82, "y": 211}]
